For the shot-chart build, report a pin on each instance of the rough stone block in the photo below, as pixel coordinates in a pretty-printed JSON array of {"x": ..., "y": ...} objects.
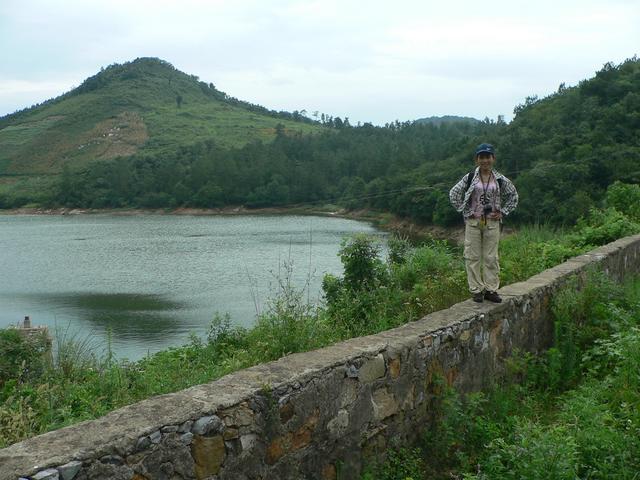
[
  {"x": 230, "y": 433},
  {"x": 143, "y": 443},
  {"x": 302, "y": 436},
  {"x": 292, "y": 441},
  {"x": 185, "y": 427},
  {"x": 155, "y": 437},
  {"x": 208, "y": 454},
  {"x": 275, "y": 450},
  {"x": 99, "y": 470},
  {"x": 329, "y": 472},
  {"x": 186, "y": 438},
  {"x": 112, "y": 459},
  {"x": 239, "y": 417},
  {"x": 348, "y": 393},
  {"x": 49, "y": 474},
  {"x": 248, "y": 441},
  {"x": 337, "y": 426},
  {"x": 207, "y": 425},
  {"x": 169, "y": 459},
  {"x": 69, "y": 470},
  {"x": 384, "y": 404},
  {"x": 300, "y": 439},
  {"x": 286, "y": 412},
  {"x": 372, "y": 369},
  {"x": 394, "y": 368}
]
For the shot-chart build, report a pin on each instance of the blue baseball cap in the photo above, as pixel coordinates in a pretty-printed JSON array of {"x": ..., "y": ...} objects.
[{"x": 485, "y": 148}]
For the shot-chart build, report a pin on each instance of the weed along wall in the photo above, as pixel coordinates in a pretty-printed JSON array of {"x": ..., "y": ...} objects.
[{"x": 315, "y": 415}]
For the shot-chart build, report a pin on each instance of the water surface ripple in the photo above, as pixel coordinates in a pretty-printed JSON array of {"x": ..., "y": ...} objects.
[{"x": 151, "y": 280}]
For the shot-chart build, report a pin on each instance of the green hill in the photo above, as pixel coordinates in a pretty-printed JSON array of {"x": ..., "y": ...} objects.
[
  {"x": 144, "y": 106},
  {"x": 562, "y": 151}
]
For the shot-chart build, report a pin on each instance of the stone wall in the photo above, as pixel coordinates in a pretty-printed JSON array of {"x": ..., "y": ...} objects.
[{"x": 316, "y": 415}]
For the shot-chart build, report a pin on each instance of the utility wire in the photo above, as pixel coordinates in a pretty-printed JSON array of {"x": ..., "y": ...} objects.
[{"x": 416, "y": 188}]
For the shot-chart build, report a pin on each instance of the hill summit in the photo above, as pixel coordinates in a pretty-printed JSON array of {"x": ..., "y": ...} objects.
[{"x": 143, "y": 106}]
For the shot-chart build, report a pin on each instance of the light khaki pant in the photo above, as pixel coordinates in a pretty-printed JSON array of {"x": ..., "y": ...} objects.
[{"x": 481, "y": 255}]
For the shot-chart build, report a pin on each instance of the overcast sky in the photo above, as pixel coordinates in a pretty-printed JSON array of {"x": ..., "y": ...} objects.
[{"x": 371, "y": 60}]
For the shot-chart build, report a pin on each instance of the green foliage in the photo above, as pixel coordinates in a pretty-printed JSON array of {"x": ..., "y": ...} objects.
[
  {"x": 224, "y": 337},
  {"x": 375, "y": 296},
  {"x": 605, "y": 444},
  {"x": 399, "y": 248},
  {"x": 534, "y": 453},
  {"x": 400, "y": 464},
  {"x": 21, "y": 359},
  {"x": 534, "y": 248},
  {"x": 577, "y": 323},
  {"x": 288, "y": 325},
  {"x": 624, "y": 198},
  {"x": 604, "y": 226},
  {"x": 363, "y": 268}
]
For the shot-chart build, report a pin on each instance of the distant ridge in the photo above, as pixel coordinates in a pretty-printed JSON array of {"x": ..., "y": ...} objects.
[{"x": 447, "y": 119}]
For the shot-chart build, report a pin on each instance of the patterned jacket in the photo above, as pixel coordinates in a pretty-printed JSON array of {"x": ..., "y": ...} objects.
[{"x": 461, "y": 199}]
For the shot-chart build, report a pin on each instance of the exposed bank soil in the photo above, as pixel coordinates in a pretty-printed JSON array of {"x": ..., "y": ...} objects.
[
  {"x": 383, "y": 221},
  {"x": 407, "y": 228}
]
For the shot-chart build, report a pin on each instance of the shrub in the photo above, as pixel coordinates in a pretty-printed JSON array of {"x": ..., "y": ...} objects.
[
  {"x": 625, "y": 198},
  {"x": 603, "y": 226},
  {"x": 20, "y": 359},
  {"x": 362, "y": 265},
  {"x": 400, "y": 464},
  {"x": 534, "y": 452},
  {"x": 399, "y": 249}
]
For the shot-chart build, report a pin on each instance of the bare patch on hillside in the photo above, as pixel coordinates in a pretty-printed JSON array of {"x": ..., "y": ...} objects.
[
  {"x": 119, "y": 136},
  {"x": 43, "y": 147}
]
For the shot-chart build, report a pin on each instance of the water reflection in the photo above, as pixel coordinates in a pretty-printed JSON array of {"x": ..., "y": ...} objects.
[{"x": 125, "y": 315}]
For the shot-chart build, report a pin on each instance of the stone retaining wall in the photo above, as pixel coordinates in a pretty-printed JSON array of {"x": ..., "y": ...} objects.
[{"x": 315, "y": 415}]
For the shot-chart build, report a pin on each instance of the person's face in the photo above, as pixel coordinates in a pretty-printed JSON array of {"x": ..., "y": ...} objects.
[{"x": 485, "y": 160}]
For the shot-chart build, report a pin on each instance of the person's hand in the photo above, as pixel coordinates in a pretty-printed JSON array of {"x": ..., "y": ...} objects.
[{"x": 495, "y": 215}]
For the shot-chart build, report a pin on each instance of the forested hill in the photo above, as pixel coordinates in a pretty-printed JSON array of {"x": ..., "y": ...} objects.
[
  {"x": 561, "y": 151},
  {"x": 143, "y": 106}
]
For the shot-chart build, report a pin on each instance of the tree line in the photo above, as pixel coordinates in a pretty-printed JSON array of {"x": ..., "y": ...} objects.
[{"x": 561, "y": 152}]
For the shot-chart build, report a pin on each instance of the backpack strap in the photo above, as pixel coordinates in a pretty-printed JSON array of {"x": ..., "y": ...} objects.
[
  {"x": 470, "y": 176},
  {"x": 472, "y": 173}
]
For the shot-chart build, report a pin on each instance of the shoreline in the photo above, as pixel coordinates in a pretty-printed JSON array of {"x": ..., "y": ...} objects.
[{"x": 383, "y": 220}]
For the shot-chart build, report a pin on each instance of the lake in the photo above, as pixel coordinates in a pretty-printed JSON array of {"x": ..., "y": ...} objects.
[{"x": 152, "y": 280}]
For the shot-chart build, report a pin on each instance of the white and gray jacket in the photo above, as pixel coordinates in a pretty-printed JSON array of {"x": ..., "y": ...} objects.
[{"x": 461, "y": 198}]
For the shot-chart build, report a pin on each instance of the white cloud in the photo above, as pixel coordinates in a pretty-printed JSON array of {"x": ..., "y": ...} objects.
[
  {"x": 18, "y": 94},
  {"x": 373, "y": 60}
]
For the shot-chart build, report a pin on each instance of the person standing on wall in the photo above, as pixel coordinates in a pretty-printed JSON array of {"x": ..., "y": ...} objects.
[{"x": 483, "y": 196}]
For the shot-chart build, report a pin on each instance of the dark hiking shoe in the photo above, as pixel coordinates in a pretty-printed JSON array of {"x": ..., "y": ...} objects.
[
  {"x": 478, "y": 297},
  {"x": 493, "y": 297}
]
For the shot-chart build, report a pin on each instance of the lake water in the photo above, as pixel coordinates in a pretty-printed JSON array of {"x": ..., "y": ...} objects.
[{"x": 151, "y": 280}]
